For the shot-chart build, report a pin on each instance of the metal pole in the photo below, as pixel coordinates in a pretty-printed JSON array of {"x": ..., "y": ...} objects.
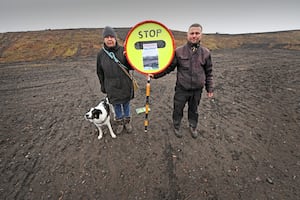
[{"x": 146, "y": 122}]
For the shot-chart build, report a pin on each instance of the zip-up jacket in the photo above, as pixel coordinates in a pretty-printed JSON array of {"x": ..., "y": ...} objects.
[{"x": 194, "y": 68}]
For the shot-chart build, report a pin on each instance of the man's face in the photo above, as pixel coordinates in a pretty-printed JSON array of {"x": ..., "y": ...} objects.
[
  {"x": 194, "y": 35},
  {"x": 110, "y": 41}
]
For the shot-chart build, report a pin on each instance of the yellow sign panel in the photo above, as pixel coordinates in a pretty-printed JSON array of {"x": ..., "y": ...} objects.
[{"x": 149, "y": 47}]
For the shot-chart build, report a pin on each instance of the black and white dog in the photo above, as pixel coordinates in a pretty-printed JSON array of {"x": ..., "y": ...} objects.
[{"x": 100, "y": 115}]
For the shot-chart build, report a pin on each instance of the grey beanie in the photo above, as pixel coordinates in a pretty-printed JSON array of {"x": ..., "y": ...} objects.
[{"x": 108, "y": 31}]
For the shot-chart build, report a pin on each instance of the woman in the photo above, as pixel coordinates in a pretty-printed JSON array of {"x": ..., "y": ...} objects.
[{"x": 113, "y": 80}]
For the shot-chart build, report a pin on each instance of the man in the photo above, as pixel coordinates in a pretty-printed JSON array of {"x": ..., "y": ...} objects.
[
  {"x": 194, "y": 72},
  {"x": 113, "y": 80}
]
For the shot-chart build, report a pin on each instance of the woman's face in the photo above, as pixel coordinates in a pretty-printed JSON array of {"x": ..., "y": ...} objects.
[{"x": 110, "y": 41}]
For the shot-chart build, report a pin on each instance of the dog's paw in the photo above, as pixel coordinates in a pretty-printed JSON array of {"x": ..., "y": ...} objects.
[{"x": 99, "y": 137}]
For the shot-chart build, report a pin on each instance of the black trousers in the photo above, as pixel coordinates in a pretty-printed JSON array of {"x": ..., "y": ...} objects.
[{"x": 192, "y": 98}]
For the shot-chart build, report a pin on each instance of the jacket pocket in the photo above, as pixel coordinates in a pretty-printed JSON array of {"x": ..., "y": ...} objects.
[{"x": 184, "y": 62}]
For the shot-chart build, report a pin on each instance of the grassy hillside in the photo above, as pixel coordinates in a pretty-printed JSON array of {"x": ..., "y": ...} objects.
[{"x": 80, "y": 43}]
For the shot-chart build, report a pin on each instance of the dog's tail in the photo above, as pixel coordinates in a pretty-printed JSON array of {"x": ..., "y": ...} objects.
[
  {"x": 106, "y": 100},
  {"x": 106, "y": 104}
]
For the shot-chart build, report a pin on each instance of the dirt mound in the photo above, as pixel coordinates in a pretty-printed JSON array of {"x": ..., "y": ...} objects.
[{"x": 84, "y": 43}]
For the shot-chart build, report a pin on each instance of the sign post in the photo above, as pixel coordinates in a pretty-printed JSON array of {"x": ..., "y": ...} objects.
[{"x": 149, "y": 48}]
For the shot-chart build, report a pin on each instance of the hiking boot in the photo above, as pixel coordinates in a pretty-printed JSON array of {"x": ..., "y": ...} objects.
[
  {"x": 128, "y": 125},
  {"x": 120, "y": 126},
  {"x": 177, "y": 132},
  {"x": 194, "y": 132}
]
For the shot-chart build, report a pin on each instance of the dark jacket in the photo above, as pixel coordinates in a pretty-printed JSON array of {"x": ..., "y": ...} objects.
[
  {"x": 194, "y": 69},
  {"x": 113, "y": 80}
]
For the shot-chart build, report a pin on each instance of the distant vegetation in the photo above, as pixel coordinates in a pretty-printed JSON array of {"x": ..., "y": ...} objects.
[{"x": 83, "y": 43}]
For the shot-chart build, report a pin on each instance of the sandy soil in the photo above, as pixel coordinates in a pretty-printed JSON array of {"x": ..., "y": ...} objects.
[{"x": 248, "y": 148}]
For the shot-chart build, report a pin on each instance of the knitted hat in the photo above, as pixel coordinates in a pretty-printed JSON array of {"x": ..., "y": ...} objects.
[{"x": 108, "y": 31}]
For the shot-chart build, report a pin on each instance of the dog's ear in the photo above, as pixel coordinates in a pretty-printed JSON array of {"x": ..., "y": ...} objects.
[{"x": 96, "y": 113}]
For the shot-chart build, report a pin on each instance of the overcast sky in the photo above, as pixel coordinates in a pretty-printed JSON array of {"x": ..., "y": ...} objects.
[{"x": 223, "y": 16}]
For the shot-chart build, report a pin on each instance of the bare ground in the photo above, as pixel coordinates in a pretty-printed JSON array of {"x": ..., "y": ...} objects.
[{"x": 248, "y": 148}]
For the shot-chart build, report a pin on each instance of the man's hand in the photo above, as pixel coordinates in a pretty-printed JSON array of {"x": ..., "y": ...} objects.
[
  {"x": 210, "y": 94},
  {"x": 151, "y": 75}
]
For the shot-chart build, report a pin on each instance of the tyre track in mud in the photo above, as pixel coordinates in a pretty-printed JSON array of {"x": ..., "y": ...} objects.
[
  {"x": 50, "y": 132},
  {"x": 32, "y": 159},
  {"x": 237, "y": 105},
  {"x": 161, "y": 104},
  {"x": 253, "y": 111},
  {"x": 176, "y": 153},
  {"x": 249, "y": 134}
]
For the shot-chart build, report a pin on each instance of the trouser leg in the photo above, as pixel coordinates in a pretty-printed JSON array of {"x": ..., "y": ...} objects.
[
  {"x": 126, "y": 109},
  {"x": 193, "y": 104},
  {"x": 118, "y": 111},
  {"x": 180, "y": 99}
]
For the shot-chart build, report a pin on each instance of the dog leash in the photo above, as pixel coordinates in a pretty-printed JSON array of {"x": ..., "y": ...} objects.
[{"x": 113, "y": 57}]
